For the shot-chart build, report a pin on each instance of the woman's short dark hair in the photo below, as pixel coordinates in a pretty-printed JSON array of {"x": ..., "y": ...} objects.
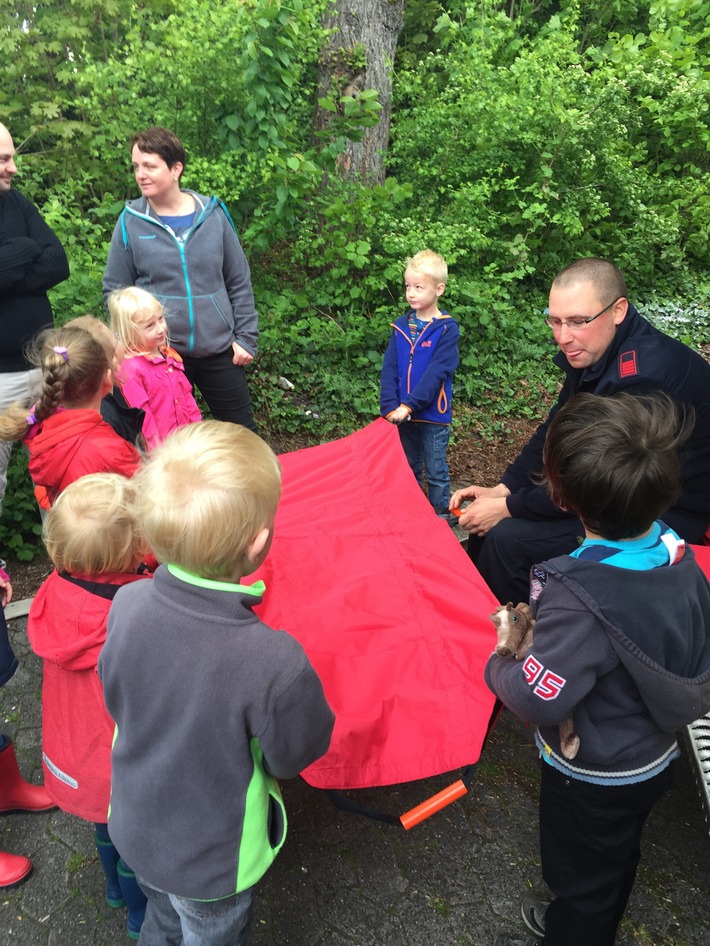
[
  {"x": 163, "y": 142},
  {"x": 613, "y": 461}
]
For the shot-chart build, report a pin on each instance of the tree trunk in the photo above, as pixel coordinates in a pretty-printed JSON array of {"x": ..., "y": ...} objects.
[{"x": 358, "y": 56}]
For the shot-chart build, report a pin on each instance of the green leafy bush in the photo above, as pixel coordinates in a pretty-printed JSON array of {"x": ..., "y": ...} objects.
[
  {"x": 20, "y": 524},
  {"x": 523, "y": 136}
]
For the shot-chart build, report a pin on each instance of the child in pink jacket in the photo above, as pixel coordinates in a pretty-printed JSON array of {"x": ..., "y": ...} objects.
[{"x": 152, "y": 375}]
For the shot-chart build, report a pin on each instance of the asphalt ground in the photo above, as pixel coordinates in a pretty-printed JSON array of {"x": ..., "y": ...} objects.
[{"x": 343, "y": 880}]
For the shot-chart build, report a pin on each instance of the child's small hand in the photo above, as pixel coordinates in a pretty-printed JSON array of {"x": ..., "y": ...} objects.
[
  {"x": 399, "y": 415},
  {"x": 5, "y": 591}
]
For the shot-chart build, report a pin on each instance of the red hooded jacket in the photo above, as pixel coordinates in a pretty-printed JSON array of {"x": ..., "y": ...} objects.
[
  {"x": 73, "y": 443},
  {"x": 67, "y": 629}
]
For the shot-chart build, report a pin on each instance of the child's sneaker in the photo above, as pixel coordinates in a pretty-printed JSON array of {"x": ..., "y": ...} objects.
[{"x": 533, "y": 912}]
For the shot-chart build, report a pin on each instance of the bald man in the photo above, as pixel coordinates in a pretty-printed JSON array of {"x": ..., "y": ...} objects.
[
  {"x": 32, "y": 260},
  {"x": 605, "y": 347}
]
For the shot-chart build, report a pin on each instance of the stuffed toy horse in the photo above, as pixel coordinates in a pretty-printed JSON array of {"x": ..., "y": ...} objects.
[{"x": 514, "y": 626}]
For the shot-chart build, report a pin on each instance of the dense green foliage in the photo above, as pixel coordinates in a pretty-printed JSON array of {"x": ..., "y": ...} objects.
[{"x": 523, "y": 135}]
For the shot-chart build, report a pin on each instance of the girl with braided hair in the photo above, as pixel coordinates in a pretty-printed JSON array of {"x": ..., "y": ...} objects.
[{"x": 64, "y": 432}]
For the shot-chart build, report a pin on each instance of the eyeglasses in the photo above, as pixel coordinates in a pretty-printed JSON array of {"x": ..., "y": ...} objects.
[{"x": 577, "y": 321}]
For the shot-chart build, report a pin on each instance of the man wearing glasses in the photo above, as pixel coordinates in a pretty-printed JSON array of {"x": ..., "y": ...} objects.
[{"x": 605, "y": 347}]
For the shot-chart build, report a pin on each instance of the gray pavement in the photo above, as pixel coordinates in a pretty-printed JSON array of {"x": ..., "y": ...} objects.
[{"x": 341, "y": 880}]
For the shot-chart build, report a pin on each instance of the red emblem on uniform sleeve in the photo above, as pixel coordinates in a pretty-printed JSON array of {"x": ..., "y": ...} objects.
[{"x": 628, "y": 364}]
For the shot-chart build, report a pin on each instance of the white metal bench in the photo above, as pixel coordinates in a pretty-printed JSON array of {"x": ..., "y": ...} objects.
[{"x": 697, "y": 738}]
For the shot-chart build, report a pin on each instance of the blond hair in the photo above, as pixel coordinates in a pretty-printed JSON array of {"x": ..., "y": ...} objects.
[
  {"x": 127, "y": 305},
  {"x": 204, "y": 495},
  {"x": 93, "y": 528},
  {"x": 73, "y": 365},
  {"x": 430, "y": 264}
]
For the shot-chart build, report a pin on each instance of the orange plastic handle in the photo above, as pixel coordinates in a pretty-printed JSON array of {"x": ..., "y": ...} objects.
[
  {"x": 429, "y": 807},
  {"x": 456, "y": 512}
]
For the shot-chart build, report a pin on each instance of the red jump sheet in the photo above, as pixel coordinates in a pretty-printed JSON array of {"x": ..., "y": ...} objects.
[{"x": 390, "y": 610}]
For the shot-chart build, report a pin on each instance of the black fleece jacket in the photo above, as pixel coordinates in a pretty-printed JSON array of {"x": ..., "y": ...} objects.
[{"x": 32, "y": 260}]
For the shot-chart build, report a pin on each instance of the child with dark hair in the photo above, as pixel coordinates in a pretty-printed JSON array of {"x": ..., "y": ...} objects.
[{"x": 621, "y": 644}]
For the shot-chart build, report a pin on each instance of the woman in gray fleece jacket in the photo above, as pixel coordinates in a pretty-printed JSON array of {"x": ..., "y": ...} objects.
[{"x": 183, "y": 247}]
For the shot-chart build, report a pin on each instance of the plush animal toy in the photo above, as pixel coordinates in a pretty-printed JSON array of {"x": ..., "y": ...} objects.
[{"x": 514, "y": 626}]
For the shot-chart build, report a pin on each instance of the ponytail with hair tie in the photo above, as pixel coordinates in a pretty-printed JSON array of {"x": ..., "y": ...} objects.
[{"x": 69, "y": 382}]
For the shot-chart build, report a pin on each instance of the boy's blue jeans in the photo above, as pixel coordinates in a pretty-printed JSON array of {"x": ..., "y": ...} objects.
[
  {"x": 178, "y": 921},
  {"x": 425, "y": 449}
]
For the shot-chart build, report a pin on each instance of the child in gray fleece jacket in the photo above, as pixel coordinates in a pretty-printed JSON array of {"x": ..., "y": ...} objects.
[{"x": 211, "y": 706}]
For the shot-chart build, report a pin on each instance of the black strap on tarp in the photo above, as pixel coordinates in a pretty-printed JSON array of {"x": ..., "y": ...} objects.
[{"x": 352, "y": 805}]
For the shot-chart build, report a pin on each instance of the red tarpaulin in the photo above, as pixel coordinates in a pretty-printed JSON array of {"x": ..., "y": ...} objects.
[{"x": 389, "y": 608}]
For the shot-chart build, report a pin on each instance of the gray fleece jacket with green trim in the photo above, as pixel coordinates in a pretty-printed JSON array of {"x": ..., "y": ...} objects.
[
  {"x": 211, "y": 706},
  {"x": 202, "y": 278}
]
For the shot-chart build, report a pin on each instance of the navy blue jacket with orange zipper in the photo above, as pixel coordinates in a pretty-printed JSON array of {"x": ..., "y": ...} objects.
[{"x": 419, "y": 374}]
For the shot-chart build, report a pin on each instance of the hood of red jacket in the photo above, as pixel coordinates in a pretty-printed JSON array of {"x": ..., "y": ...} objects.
[
  {"x": 53, "y": 443},
  {"x": 67, "y": 623}
]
